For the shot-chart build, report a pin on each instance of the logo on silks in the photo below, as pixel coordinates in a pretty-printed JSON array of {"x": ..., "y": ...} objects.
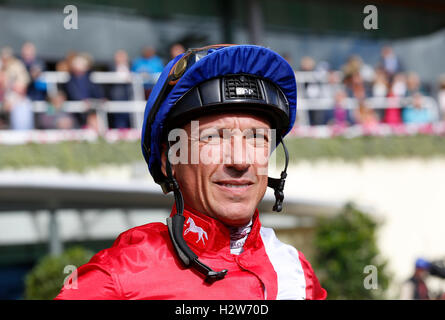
[{"x": 195, "y": 229}]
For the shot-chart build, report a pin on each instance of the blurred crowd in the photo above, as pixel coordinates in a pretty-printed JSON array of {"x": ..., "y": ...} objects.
[
  {"x": 404, "y": 93},
  {"x": 22, "y": 83}
]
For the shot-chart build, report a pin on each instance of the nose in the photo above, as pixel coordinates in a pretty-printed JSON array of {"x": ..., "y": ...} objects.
[
  {"x": 238, "y": 167},
  {"x": 237, "y": 155},
  {"x": 236, "y": 170}
]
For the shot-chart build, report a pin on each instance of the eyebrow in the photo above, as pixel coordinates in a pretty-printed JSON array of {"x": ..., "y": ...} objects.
[{"x": 219, "y": 128}]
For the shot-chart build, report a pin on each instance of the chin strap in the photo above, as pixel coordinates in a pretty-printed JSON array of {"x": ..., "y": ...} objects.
[
  {"x": 278, "y": 184},
  {"x": 175, "y": 226}
]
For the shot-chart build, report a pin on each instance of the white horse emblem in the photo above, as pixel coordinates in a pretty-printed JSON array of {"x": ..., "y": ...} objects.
[{"x": 195, "y": 229}]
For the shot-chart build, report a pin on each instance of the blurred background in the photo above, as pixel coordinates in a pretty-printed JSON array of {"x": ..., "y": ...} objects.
[{"x": 365, "y": 187}]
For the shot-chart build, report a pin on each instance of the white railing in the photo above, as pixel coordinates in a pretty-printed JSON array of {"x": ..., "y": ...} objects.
[
  {"x": 305, "y": 105},
  {"x": 136, "y": 106}
]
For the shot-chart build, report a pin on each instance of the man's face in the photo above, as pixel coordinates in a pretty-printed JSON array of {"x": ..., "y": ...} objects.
[{"x": 225, "y": 175}]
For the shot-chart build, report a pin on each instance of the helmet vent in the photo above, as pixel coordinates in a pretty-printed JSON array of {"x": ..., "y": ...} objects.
[{"x": 241, "y": 87}]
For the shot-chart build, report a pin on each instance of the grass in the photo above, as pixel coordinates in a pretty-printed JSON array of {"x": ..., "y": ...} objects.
[{"x": 81, "y": 156}]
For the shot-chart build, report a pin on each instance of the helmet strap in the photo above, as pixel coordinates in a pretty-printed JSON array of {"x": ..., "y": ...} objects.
[{"x": 278, "y": 184}]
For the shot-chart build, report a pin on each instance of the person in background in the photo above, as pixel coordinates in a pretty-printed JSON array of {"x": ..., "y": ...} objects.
[
  {"x": 35, "y": 67},
  {"x": 149, "y": 65},
  {"x": 353, "y": 77},
  {"x": 416, "y": 112},
  {"x": 399, "y": 87},
  {"x": 29, "y": 57},
  {"x": 55, "y": 117},
  {"x": 19, "y": 107},
  {"x": 355, "y": 86},
  {"x": 37, "y": 89},
  {"x": 353, "y": 65},
  {"x": 339, "y": 115},
  {"x": 80, "y": 87},
  {"x": 415, "y": 287},
  {"x": 92, "y": 122},
  {"x": 389, "y": 62},
  {"x": 365, "y": 116},
  {"x": 121, "y": 91},
  {"x": 307, "y": 64},
  {"x": 332, "y": 85},
  {"x": 312, "y": 89},
  {"x": 64, "y": 64},
  {"x": 413, "y": 84},
  {"x": 380, "y": 84},
  {"x": 14, "y": 70},
  {"x": 392, "y": 113},
  {"x": 176, "y": 49}
]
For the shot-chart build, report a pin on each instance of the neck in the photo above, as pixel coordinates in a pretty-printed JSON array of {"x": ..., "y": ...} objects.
[{"x": 238, "y": 236}]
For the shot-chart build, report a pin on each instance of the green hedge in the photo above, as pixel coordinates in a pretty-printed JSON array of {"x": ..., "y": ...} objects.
[
  {"x": 356, "y": 149},
  {"x": 69, "y": 156},
  {"x": 346, "y": 246},
  {"x": 79, "y": 156},
  {"x": 47, "y": 277}
]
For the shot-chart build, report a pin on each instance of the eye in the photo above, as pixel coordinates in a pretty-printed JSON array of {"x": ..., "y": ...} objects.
[
  {"x": 210, "y": 136},
  {"x": 257, "y": 137}
]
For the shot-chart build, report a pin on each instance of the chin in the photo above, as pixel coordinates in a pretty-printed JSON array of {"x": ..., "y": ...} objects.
[{"x": 237, "y": 214}]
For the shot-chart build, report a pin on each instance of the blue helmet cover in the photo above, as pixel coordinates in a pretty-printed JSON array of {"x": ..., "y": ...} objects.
[{"x": 247, "y": 59}]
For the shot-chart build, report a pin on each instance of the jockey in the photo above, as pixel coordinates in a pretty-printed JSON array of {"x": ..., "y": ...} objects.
[{"x": 211, "y": 122}]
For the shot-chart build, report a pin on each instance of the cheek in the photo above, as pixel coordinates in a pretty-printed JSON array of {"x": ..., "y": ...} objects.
[
  {"x": 193, "y": 180},
  {"x": 186, "y": 175},
  {"x": 262, "y": 185},
  {"x": 259, "y": 157},
  {"x": 211, "y": 154}
]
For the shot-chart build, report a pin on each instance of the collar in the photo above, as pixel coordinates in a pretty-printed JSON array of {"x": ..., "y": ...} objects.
[{"x": 205, "y": 234}]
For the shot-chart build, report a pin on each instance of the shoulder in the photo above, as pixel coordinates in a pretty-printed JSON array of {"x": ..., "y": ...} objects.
[
  {"x": 140, "y": 235},
  {"x": 296, "y": 278},
  {"x": 105, "y": 275},
  {"x": 141, "y": 240}
]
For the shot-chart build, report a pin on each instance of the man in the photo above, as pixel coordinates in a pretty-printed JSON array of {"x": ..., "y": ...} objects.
[
  {"x": 121, "y": 91},
  {"x": 80, "y": 87},
  {"x": 149, "y": 65},
  {"x": 207, "y": 135},
  {"x": 415, "y": 287},
  {"x": 35, "y": 66}
]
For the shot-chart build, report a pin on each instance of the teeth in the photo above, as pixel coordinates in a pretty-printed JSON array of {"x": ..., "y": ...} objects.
[{"x": 234, "y": 185}]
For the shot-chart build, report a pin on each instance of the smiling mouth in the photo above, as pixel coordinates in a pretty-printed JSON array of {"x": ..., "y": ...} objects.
[{"x": 234, "y": 185}]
